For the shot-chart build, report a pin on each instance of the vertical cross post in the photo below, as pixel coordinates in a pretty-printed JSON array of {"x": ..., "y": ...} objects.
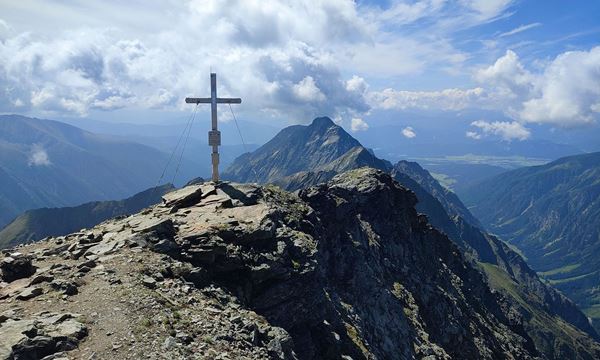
[{"x": 214, "y": 135}]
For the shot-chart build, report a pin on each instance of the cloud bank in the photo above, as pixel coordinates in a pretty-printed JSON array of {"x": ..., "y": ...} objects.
[
  {"x": 290, "y": 60},
  {"x": 565, "y": 92},
  {"x": 505, "y": 130}
]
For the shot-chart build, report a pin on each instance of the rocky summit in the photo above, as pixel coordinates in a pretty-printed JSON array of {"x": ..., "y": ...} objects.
[{"x": 343, "y": 270}]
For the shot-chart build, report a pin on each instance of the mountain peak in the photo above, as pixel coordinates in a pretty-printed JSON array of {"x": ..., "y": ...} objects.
[
  {"x": 322, "y": 121},
  {"x": 300, "y": 148}
]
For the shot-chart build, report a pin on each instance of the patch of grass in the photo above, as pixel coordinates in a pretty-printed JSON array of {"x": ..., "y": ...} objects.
[
  {"x": 208, "y": 339},
  {"x": 554, "y": 325},
  {"x": 353, "y": 335},
  {"x": 592, "y": 311},
  {"x": 561, "y": 270},
  {"x": 296, "y": 264},
  {"x": 500, "y": 280},
  {"x": 574, "y": 278},
  {"x": 445, "y": 180}
]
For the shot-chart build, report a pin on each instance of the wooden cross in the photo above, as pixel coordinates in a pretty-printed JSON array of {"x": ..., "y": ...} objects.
[{"x": 214, "y": 136}]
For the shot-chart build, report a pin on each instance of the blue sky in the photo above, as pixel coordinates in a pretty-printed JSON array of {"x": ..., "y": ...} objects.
[{"x": 528, "y": 63}]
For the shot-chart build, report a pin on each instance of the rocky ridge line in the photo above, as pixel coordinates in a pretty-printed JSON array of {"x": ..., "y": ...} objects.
[{"x": 347, "y": 269}]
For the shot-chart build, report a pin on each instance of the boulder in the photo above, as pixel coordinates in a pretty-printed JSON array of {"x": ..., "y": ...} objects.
[
  {"x": 66, "y": 287},
  {"x": 16, "y": 266},
  {"x": 30, "y": 293},
  {"x": 155, "y": 225},
  {"x": 43, "y": 335},
  {"x": 149, "y": 282},
  {"x": 185, "y": 197}
]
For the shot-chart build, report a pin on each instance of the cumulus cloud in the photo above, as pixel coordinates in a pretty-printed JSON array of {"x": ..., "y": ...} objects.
[
  {"x": 447, "y": 99},
  {"x": 507, "y": 77},
  {"x": 357, "y": 85},
  {"x": 565, "y": 93},
  {"x": 473, "y": 135},
  {"x": 505, "y": 130},
  {"x": 285, "y": 58},
  {"x": 409, "y": 132},
  {"x": 273, "y": 54},
  {"x": 568, "y": 92},
  {"x": 290, "y": 60},
  {"x": 307, "y": 90},
  {"x": 358, "y": 124},
  {"x": 38, "y": 156}
]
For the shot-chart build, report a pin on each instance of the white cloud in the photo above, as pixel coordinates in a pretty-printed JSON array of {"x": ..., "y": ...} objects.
[
  {"x": 447, "y": 99},
  {"x": 285, "y": 58},
  {"x": 357, "y": 85},
  {"x": 473, "y": 135},
  {"x": 506, "y": 130},
  {"x": 520, "y": 29},
  {"x": 568, "y": 92},
  {"x": 307, "y": 90},
  {"x": 507, "y": 77},
  {"x": 38, "y": 156},
  {"x": 565, "y": 93},
  {"x": 409, "y": 132},
  {"x": 358, "y": 124},
  {"x": 487, "y": 9},
  {"x": 275, "y": 55}
]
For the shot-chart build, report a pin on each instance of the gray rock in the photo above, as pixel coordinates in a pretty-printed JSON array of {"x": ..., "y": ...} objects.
[
  {"x": 41, "y": 278},
  {"x": 153, "y": 225},
  {"x": 44, "y": 335},
  {"x": 149, "y": 282},
  {"x": 102, "y": 248},
  {"x": 30, "y": 293},
  {"x": 15, "y": 267},
  {"x": 165, "y": 246},
  {"x": 185, "y": 197},
  {"x": 169, "y": 343},
  {"x": 66, "y": 287}
]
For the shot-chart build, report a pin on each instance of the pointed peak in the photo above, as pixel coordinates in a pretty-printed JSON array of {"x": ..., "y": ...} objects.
[{"x": 322, "y": 121}]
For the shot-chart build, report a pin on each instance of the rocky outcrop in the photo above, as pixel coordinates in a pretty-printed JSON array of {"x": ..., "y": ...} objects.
[
  {"x": 293, "y": 160},
  {"x": 34, "y": 225},
  {"x": 40, "y": 336},
  {"x": 344, "y": 270},
  {"x": 16, "y": 266}
]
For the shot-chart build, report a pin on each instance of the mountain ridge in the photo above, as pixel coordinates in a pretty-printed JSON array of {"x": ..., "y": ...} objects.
[
  {"x": 34, "y": 225},
  {"x": 264, "y": 273},
  {"x": 536, "y": 301},
  {"x": 48, "y": 163},
  {"x": 551, "y": 214}
]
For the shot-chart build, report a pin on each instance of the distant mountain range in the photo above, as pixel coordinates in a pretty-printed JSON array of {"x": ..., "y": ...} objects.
[
  {"x": 301, "y": 156},
  {"x": 34, "y": 225},
  {"x": 552, "y": 214},
  {"x": 45, "y": 163}
]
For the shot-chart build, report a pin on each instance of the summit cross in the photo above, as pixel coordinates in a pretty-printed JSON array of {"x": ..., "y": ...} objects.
[{"x": 214, "y": 136}]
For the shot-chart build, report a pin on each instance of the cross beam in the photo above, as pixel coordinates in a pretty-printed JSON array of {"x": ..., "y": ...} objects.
[{"x": 214, "y": 136}]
